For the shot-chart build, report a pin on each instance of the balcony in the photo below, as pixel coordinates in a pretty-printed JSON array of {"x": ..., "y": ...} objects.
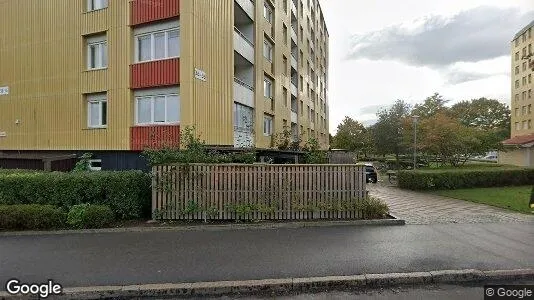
[
  {"x": 294, "y": 90},
  {"x": 294, "y": 8},
  {"x": 294, "y": 117},
  {"x": 143, "y": 11},
  {"x": 294, "y": 62},
  {"x": 247, "y": 6},
  {"x": 243, "y": 45},
  {"x": 243, "y": 139},
  {"x": 243, "y": 93}
]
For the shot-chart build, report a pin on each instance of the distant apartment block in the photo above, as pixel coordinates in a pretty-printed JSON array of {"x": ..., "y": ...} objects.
[
  {"x": 115, "y": 77},
  {"x": 521, "y": 144}
]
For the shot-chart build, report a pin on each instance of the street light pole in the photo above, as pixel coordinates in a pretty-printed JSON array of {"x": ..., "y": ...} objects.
[{"x": 415, "y": 118}]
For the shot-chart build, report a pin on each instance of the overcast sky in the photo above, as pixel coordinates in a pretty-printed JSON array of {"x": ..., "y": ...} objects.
[{"x": 384, "y": 50}]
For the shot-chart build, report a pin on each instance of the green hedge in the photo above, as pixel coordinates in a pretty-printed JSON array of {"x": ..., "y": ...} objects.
[
  {"x": 32, "y": 216},
  {"x": 83, "y": 216},
  {"x": 464, "y": 178},
  {"x": 127, "y": 193}
]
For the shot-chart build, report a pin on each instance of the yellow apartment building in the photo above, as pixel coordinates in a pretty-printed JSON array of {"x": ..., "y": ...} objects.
[
  {"x": 520, "y": 147},
  {"x": 114, "y": 77}
]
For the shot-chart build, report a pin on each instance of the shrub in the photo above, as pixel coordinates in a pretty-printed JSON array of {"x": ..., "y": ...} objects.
[
  {"x": 464, "y": 178},
  {"x": 84, "y": 216},
  {"x": 127, "y": 193},
  {"x": 373, "y": 208},
  {"x": 32, "y": 216}
]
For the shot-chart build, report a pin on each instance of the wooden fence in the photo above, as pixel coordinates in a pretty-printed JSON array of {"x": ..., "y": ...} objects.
[{"x": 257, "y": 192}]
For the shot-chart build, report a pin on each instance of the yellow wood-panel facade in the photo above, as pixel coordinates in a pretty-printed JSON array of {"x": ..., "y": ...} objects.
[{"x": 44, "y": 65}]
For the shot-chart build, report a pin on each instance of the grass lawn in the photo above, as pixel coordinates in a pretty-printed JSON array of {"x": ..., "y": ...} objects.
[{"x": 513, "y": 198}]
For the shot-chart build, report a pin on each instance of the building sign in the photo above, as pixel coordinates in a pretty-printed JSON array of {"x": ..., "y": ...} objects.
[
  {"x": 3, "y": 134},
  {"x": 4, "y": 90},
  {"x": 200, "y": 75}
]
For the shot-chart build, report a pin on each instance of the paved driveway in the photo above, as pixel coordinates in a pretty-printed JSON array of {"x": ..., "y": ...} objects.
[{"x": 421, "y": 208}]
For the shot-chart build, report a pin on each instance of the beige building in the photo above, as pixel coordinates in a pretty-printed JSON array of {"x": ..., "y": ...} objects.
[
  {"x": 115, "y": 77},
  {"x": 520, "y": 147}
]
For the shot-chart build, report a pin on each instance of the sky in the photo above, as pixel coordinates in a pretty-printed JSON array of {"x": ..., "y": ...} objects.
[{"x": 384, "y": 50}]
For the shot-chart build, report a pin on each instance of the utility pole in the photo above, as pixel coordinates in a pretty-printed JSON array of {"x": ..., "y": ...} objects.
[{"x": 415, "y": 118}]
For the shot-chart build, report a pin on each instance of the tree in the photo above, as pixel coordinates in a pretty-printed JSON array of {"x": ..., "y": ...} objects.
[
  {"x": 485, "y": 114},
  {"x": 388, "y": 131},
  {"x": 353, "y": 136},
  {"x": 431, "y": 106},
  {"x": 449, "y": 140}
]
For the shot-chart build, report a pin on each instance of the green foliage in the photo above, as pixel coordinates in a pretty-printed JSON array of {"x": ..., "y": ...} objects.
[
  {"x": 353, "y": 136},
  {"x": 284, "y": 140},
  {"x": 194, "y": 150},
  {"x": 430, "y": 107},
  {"x": 128, "y": 193},
  {"x": 83, "y": 163},
  {"x": 464, "y": 178},
  {"x": 373, "y": 208},
  {"x": 387, "y": 132},
  {"x": 314, "y": 155},
  {"x": 31, "y": 216},
  {"x": 84, "y": 216}
]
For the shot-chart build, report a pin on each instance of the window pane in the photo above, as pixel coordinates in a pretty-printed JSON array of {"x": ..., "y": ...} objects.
[
  {"x": 104, "y": 106},
  {"x": 143, "y": 110},
  {"x": 159, "y": 45},
  {"x": 92, "y": 56},
  {"x": 173, "y": 109},
  {"x": 104, "y": 54},
  {"x": 159, "y": 109},
  {"x": 94, "y": 114},
  {"x": 174, "y": 43},
  {"x": 144, "y": 48}
]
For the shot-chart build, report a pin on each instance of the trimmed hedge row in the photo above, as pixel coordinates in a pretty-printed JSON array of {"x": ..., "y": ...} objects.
[
  {"x": 457, "y": 179},
  {"x": 32, "y": 216},
  {"x": 127, "y": 193}
]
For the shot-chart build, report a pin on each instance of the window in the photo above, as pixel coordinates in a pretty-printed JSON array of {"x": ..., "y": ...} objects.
[
  {"x": 529, "y": 78},
  {"x": 529, "y": 48},
  {"x": 285, "y": 35},
  {"x": 524, "y": 37},
  {"x": 529, "y": 33},
  {"x": 301, "y": 83},
  {"x": 524, "y": 66},
  {"x": 157, "y": 107},
  {"x": 97, "y": 52},
  {"x": 517, "y": 56},
  {"x": 301, "y": 108},
  {"x": 524, "y": 51},
  {"x": 529, "y": 124},
  {"x": 96, "y": 4},
  {"x": 97, "y": 111},
  {"x": 268, "y": 12},
  {"x": 524, "y": 124},
  {"x": 516, "y": 97},
  {"x": 529, "y": 109},
  {"x": 268, "y": 88},
  {"x": 517, "y": 126},
  {"x": 524, "y": 80},
  {"x": 529, "y": 93},
  {"x": 267, "y": 125},
  {"x": 243, "y": 118},
  {"x": 268, "y": 49},
  {"x": 285, "y": 65},
  {"x": 158, "y": 45},
  {"x": 284, "y": 93},
  {"x": 95, "y": 164},
  {"x": 517, "y": 112},
  {"x": 517, "y": 83},
  {"x": 524, "y": 96},
  {"x": 523, "y": 110},
  {"x": 284, "y": 4}
]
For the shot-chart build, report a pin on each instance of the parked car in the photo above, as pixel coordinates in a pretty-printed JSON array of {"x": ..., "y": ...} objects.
[{"x": 370, "y": 173}]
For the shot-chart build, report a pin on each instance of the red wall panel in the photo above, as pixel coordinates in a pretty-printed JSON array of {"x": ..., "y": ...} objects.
[
  {"x": 154, "y": 137},
  {"x": 155, "y": 73},
  {"x": 144, "y": 11}
]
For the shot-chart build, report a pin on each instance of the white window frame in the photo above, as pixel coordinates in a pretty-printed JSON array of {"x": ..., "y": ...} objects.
[
  {"x": 152, "y": 97},
  {"x": 101, "y": 58},
  {"x": 268, "y": 49},
  {"x": 268, "y": 12},
  {"x": 91, "y": 167},
  {"x": 268, "y": 87},
  {"x": 267, "y": 125},
  {"x": 94, "y": 5},
  {"x": 151, "y": 34},
  {"x": 100, "y": 100}
]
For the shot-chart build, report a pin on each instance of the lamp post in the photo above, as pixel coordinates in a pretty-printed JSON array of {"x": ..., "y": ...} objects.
[{"x": 415, "y": 119}]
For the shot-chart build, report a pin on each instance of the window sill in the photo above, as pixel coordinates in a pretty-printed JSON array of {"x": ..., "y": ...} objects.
[
  {"x": 96, "y": 69},
  {"x": 156, "y": 124},
  {"x": 153, "y": 60},
  {"x": 94, "y": 10},
  {"x": 96, "y": 128}
]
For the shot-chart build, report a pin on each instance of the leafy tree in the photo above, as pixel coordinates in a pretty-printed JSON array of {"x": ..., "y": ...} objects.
[
  {"x": 353, "y": 136},
  {"x": 431, "y": 106},
  {"x": 388, "y": 131},
  {"x": 485, "y": 114}
]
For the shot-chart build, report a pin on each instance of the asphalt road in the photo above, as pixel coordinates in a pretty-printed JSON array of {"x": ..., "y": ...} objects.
[{"x": 191, "y": 256}]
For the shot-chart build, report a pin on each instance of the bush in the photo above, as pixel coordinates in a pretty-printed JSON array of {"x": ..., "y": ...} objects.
[
  {"x": 31, "y": 216},
  {"x": 127, "y": 193},
  {"x": 373, "y": 208},
  {"x": 464, "y": 178},
  {"x": 83, "y": 216}
]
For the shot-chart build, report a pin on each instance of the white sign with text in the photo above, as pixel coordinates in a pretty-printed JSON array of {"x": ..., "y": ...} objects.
[
  {"x": 4, "y": 90},
  {"x": 200, "y": 75}
]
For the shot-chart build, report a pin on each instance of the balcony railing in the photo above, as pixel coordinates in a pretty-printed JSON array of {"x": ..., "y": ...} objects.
[
  {"x": 294, "y": 90},
  {"x": 243, "y": 45},
  {"x": 294, "y": 62},
  {"x": 243, "y": 36},
  {"x": 244, "y": 84},
  {"x": 248, "y": 7}
]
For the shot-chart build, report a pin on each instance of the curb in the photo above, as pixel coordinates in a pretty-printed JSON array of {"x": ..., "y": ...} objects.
[
  {"x": 290, "y": 285},
  {"x": 381, "y": 222}
]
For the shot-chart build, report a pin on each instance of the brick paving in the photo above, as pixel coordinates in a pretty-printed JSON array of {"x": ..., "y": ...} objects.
[{"x": 421, "y": 208}]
